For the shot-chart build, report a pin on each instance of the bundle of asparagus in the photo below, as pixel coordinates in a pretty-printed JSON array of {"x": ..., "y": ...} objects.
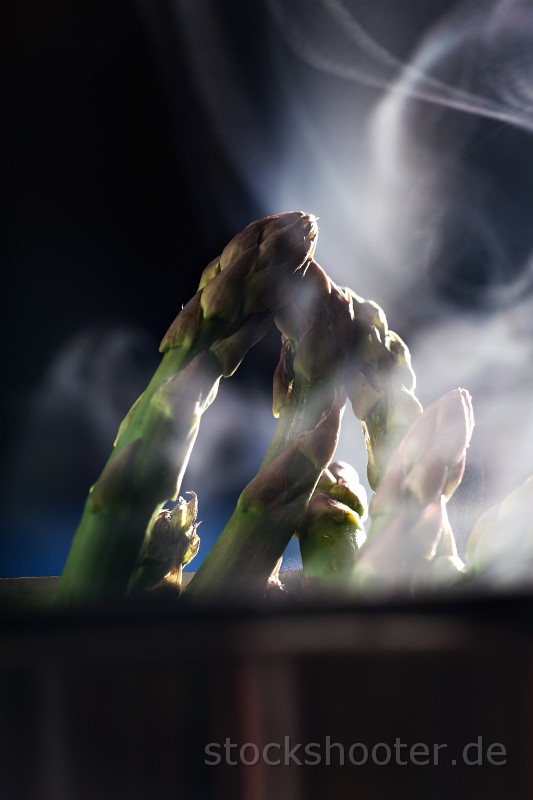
[
  {"x": 331, "y": 340},
  {"x": 134, "y": 536}
]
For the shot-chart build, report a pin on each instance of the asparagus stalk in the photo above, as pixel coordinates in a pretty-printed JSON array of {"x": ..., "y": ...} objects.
[
  {"x": 500, "y": 546},
  {"x": 313, "y": 327},
  {"x": 380, "y": 385},
  {"x": 333, "y": 337},
  {"x": 408, "y": 510},
  {"x": 331, "y": 531},
  {"x": 267, "y": 514},
  {"x": 172, "y": 544},
  {"x": 304, "y": 395},
  {"x": 238, "y": 296}
]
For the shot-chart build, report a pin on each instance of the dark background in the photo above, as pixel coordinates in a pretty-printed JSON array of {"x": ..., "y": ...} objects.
[
  {"x": 140, "y": 137},
  {"x": 118, "y": 194}
]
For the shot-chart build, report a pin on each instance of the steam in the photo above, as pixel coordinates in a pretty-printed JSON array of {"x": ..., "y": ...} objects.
[
  {"x": 416, "y": 154},
  {"x": 78, "y": 406},
  {"x": 440, "y": 205},
  {"x": 476, "y": 36},
  {"x": 429, "y": 204},
  {"x": 70, "y": 425},
  {"x": 413, "y": 146},
  {"x": 233, "y": 113},
  {"x": 70, "y": 422}
]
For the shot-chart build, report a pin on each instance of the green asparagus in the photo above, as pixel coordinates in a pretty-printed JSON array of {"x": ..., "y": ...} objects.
[
  {"x": 238, "y": 297},
  {"x": 333, "y": 525},
  {"x": 319, "y": 333},
  {"x": 408, "y": 510},
  {"x": 172, "y": 544},
  {"x": 500, "y": 548},
  {"x": 307, "y": 386},
  {"x": 380, "y": 385},
  {"x": 334, "y": 346},
  {"x": 333, "y": 337},
  {"x": 267, "y": 514}
]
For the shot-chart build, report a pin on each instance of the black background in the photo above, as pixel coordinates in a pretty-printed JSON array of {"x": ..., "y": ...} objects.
[{"x": 118, "y": 194}]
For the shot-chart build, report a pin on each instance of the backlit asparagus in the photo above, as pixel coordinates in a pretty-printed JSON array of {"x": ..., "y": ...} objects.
[
  {"x": 172, "y": 544},
  {"x": 239, "y": 294},
  {"x": 333, "y": 525},
  {"x": 335, "y": 345},
  {"x": 380, "y": 384},
  {"x": 333, "y": 337},
  {"x": 315, "y": 327},
  {"x": 267, "y": 514},
  {"x": 408, "y": 511},
  {"x": 323, "y": 340},
  {"x": 500, "y": 547},
  {"x": 305, "y": 399}
]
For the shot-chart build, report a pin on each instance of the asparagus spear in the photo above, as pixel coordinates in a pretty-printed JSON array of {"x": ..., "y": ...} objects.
[
  {"x": 308, "y": 407},
  {"x": 380, "y": 385},
  {"x": 304, "y": 387},
  {"x": 333, "y": 337},
  {"x": 239, "y": 294},
  {"x": 500, "y": 546},
  {"x": 333, "y": 522},
  {"x": 408, "y": 510},
  {"x": 315, "y": 327},
  {"x": 267, "y": 514},
  {"x": 172, "y": 544}
]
